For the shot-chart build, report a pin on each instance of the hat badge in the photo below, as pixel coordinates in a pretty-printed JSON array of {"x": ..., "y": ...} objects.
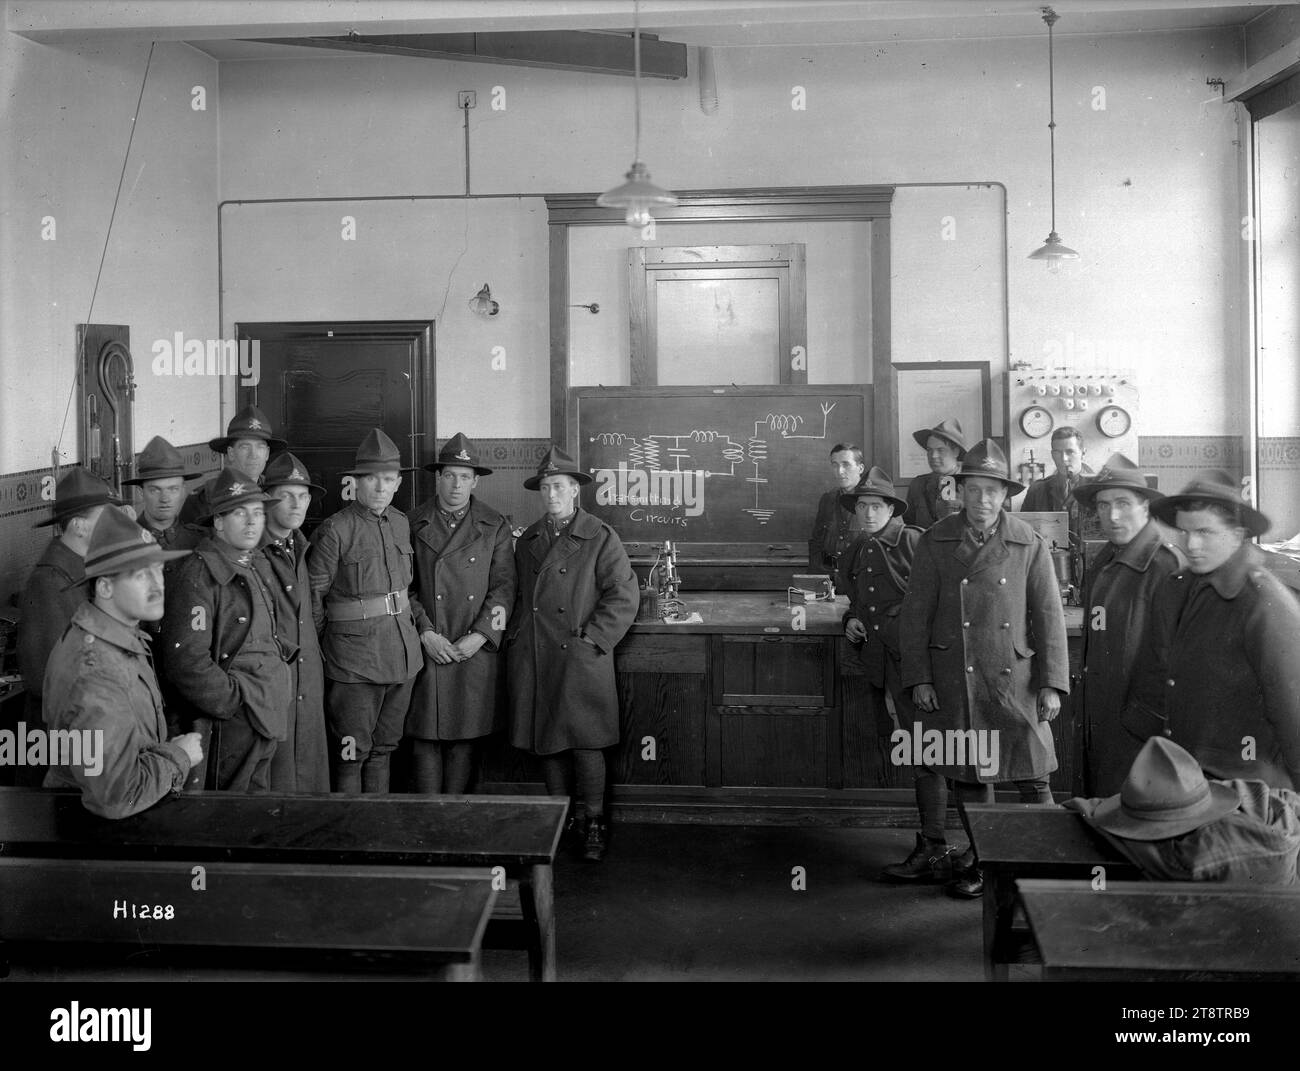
[
  {"x": 146, "y": 536},
  {"x": 254, "y": 424},
  {"x": 551, "y": 466},
  {"x": 463, "y": 455},
  {"x": 1104, "y": 475},
  {"x": 235, "y": 489},
  {"x": 296, "y": 475},
  {"x": 990, "y": 463}
]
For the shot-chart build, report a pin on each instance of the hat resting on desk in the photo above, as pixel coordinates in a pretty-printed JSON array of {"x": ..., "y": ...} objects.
[{"x": 1164, "y": 795}]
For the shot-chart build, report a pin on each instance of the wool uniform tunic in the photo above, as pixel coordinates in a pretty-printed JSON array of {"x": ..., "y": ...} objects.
[
  {"x": 835, "y": 530},
  {"x": 301, "y": 762},
  {"x": 358, "y": 554},
  {"x": 1220, "y": 671},
  {"x": 465, "y": 579},
  {"x": 176, "y": 536},
  {"x": 100, "y": 678},
  {"x": 52, "y": 595},
  {"x": 223, "y": 657},
  {"x": 1117, "y": 594},
  {"x": 931, "y": 498},
  {"x": 562, "y": 689},
  {"x": 875, "y": 578},
  {"x": 983, "y": 624}
]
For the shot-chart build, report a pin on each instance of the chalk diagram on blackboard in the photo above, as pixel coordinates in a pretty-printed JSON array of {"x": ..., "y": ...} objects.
[{"x": 643, "y": 476}]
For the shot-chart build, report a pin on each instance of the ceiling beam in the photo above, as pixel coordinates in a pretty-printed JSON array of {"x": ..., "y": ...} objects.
[{"x": 601, "y": 53}]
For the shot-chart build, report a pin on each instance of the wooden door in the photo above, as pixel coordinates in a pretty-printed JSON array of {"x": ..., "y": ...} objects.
[{"x": 325, "y": 385}]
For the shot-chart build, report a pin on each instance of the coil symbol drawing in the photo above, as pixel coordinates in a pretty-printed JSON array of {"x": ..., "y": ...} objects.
[
  {"x": 707, "y": 436},
  {"x": 783, "y": 422},
  {"x": 650, "y": 449},
  {"x": 636, "y": 454},
  {"x": 734, "y": 454},
  {"x": 610, "y": 438},
  {"x": 757, "y": 449}
]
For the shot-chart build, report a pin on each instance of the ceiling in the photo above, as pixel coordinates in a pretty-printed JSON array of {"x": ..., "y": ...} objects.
[{"x": 221, "y": 27}]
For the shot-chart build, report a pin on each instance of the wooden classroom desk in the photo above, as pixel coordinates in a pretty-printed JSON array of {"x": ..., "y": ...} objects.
[
  {"x": 1023, "y": 840},
  {"x": 1165, "y": 931},
  {"x": 519, "y": 833},
  {"x": 761, "y": 701}
]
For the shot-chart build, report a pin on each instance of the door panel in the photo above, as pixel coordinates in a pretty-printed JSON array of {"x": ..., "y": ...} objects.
[{"x": 325, "y": 385}]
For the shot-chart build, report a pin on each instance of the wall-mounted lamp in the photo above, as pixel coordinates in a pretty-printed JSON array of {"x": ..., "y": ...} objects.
[
  {"x": 483, "y": 304},
  {"x": 593, "y": 308}
]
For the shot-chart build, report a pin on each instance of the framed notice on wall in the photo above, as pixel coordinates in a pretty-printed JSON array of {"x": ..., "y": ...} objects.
[{"x": 928, "y": 392}]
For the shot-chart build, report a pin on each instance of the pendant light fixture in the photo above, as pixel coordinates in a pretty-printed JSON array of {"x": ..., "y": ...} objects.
[
  {"x": 638, "y": 195},
  {"x": 1053, "y": 251}
]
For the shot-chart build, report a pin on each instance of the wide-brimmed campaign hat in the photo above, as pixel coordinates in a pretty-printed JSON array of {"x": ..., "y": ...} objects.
[
  {"x": 77, "y": 490},
  {"x": 159, "y": 460},
  {"x": 230, "y": 489},
  {"x": 1118, "y": 474},
  {"x": 949, "y": 429},
  {"x": 377, "y": 453},
  {"x": 1164, "y": 795},
  {"x": 556, "y": 463},
  {"x": 1212, "y": 485},
  {"x": 249, "y": 423},
  {"x": 876, "y": 482},
  {"x": 118, "y": 544},
  {"x": 458, "y": 450},
  {"x": 986, "y": 458},
  {"x": 285, "y": 468}
]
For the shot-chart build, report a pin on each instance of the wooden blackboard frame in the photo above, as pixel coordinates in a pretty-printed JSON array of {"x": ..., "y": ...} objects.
[{"x": 732, "y": 564}]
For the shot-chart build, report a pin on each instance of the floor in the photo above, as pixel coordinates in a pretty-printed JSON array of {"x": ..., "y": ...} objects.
[{"x": 718, "y": 903}]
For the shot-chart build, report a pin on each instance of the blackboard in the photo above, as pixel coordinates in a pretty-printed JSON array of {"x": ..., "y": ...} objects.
[{"x": 716, "y": 465}]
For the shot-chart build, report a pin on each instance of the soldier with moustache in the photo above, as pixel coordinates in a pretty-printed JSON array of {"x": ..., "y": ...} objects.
[
  {"x": 301, "y": 760},
  {"x": 100, "y": 677},
  {"x": 223, "y": 656},
  {"x": 161, "y": 476},
  {"x": 361, "y": 569},
  {"x": 1121, "y": 582},
  {"x": 246, "y": 447},
  {"x": 465, "y": 580}
]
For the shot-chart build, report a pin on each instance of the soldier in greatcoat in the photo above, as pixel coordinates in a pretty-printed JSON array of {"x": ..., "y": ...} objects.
[
  {"x": 361, "y": 568},
  {"x": 100, "y": 679},
  {"x": 1117, "y": 593},
  {"x": 301, "y": 760},
  {"x": 983, "y": 640},
  {"x": 52, "y": 595},
  {"x": 1220, "y": 671},
  {"x": 465, "y": 581},
  {"x": 576, "y": 599},
  {"x": 222, "y": 653},
  {"x": 875, "y": 578}
]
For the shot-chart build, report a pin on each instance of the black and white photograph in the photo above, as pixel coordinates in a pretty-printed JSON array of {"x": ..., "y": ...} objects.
[{"x": 532, "y": 491}]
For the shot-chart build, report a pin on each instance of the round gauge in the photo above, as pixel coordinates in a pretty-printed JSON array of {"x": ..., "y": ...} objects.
[
  {"x": 1036, "y": 422},
  {"x": 1114, "y": 421}
]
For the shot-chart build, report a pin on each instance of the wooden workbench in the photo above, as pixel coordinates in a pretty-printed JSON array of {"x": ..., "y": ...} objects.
[{"x": 762, "y": 705}]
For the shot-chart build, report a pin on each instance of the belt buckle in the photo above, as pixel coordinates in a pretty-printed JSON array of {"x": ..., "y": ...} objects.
[{"x": 390, "y": 603}]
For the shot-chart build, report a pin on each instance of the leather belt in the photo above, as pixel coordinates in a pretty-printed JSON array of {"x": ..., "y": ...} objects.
[{"x": 390, "y": 605}]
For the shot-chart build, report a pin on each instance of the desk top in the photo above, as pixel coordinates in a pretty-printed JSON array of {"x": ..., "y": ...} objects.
[
  {"x": 399, "y": 829},
  {"x": 1165, "y": 926},
  {"x": 1007, "y": 834},
  {"x": 769, "y": 612}
]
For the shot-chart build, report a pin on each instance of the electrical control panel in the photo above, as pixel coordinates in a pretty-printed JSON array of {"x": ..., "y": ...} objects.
[{"x": 1101, "y": 405}]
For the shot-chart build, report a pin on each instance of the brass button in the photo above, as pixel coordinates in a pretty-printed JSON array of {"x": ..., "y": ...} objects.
[
  {"x": 1006, "y": 672},
  {"x": 242, "y": 620},
  {"x": 970, "y": 669},
  {"x": 1003, "y": 580},
  {"x": 965, "y": 624},
  {"x": 1170, "y": 682},
  {"x": 965, "y": 581},
  {"x": 1006, "y": 624}
]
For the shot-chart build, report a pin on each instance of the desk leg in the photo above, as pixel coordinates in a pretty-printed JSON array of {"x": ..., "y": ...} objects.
[
  {"x": 995, "y": 915},
  {"x": 464, "y": 972},
  {"x": 537, "y": 902}
]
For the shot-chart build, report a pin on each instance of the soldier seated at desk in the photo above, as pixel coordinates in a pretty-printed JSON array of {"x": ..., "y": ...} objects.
[{"x": 1175, "y": 825}]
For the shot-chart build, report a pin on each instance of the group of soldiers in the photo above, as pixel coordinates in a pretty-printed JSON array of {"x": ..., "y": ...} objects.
[
  {"x": 957, "y": 617},
  {"x": 291, "y": 665}
]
